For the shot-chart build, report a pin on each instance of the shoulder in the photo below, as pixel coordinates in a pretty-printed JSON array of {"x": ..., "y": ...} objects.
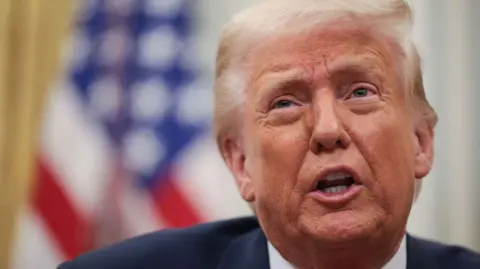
[
  {"x": 447, "y": 256},
  {"x": 200, "y": 245}
]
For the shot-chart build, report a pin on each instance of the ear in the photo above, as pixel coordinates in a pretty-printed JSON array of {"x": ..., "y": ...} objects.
[
  {"x": 424, "y": 149},
  {"x": 234, "y": 155}
]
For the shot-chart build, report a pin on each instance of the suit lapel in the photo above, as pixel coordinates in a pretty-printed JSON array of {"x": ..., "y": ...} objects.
[
  {"x": 418, "y": 255},
  {"x": 246, "y": 252}
]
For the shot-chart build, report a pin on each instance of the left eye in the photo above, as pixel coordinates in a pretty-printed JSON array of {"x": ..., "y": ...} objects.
[{"x": 361, "y": 92}]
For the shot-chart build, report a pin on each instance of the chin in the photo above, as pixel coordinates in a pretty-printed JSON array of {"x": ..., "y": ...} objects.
[{"x": 340, "y": 227}]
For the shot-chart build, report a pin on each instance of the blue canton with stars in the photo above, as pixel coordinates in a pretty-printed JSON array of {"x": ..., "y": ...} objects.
[{"x": 129, "y": 66}]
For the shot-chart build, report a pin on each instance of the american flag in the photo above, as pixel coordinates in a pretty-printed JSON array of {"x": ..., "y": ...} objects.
[{"x": 125, "y": 145}]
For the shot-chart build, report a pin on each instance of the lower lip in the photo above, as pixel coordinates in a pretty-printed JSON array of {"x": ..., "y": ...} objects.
[{"x": 339, "y": 198}]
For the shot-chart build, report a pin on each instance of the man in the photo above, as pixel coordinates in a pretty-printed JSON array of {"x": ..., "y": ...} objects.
[{"x": 334, "y": 136}]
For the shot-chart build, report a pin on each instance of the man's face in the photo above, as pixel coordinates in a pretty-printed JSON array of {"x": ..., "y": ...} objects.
[{"x": 328, "y": 105}]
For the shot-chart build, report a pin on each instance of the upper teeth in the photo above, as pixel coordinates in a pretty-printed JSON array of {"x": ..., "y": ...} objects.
[{"x": 337, "y": 175}]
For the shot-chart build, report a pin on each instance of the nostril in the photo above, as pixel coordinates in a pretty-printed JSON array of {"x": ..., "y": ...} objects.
[{"x": 317, "y": 147}]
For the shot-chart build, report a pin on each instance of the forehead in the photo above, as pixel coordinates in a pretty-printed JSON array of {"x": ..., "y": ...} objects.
[{"x": 323, "y": 47}]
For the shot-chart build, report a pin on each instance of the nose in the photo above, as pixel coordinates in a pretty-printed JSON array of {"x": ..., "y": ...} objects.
[{"x": 328, "y": 132}]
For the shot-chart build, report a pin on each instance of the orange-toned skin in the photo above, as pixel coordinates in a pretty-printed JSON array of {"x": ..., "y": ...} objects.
[{"x": 321, "y": 122}]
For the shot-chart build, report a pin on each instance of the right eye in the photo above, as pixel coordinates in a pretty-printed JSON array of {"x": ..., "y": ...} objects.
[{"x": 282, "y": 103}]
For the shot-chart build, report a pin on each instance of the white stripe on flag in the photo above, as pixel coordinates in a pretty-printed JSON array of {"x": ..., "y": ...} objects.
[
  {"x": 33, "y": 247},
  {"x": 76, "y": 149}
]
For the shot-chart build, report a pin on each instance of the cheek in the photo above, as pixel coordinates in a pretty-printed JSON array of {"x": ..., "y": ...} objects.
[
  {"x": 385, "y": 143},
  {"x": 280, "y": 153}
]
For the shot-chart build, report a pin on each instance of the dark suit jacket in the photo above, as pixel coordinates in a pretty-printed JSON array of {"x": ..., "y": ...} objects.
[{"x": 236, "y": 244}]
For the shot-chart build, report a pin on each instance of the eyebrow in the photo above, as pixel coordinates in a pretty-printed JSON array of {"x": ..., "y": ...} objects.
[
  {"x": 280, "y": 79},
  {"x": 360, "y": 66}
]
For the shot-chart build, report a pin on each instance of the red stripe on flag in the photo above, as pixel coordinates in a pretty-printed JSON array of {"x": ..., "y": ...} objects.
[
  {"x": 69, "y": 228},
  {"x": 172, "y": 206}
]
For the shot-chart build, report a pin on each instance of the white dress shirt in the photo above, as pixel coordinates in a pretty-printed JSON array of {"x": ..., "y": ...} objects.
[{"x": 398, "y": 261}]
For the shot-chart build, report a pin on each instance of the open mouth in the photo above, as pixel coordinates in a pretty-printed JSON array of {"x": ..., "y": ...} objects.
[{"x": 335, "y": 183}]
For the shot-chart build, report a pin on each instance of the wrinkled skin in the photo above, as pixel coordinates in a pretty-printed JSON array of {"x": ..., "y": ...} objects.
[{"x": 319, "y": 100}]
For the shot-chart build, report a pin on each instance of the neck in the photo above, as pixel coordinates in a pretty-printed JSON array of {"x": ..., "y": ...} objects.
[{"x": 366, "y": 254}]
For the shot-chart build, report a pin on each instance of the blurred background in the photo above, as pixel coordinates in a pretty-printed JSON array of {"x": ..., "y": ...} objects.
[{"x": 105, "y": 123}]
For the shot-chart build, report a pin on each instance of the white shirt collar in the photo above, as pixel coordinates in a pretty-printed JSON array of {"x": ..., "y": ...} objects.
[{"x": 398, "y": 261}]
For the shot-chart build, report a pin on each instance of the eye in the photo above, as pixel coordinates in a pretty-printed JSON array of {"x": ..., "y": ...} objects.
[
  {"x": 361, "y": 92},
  {"x": 282, "y": 103}
]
